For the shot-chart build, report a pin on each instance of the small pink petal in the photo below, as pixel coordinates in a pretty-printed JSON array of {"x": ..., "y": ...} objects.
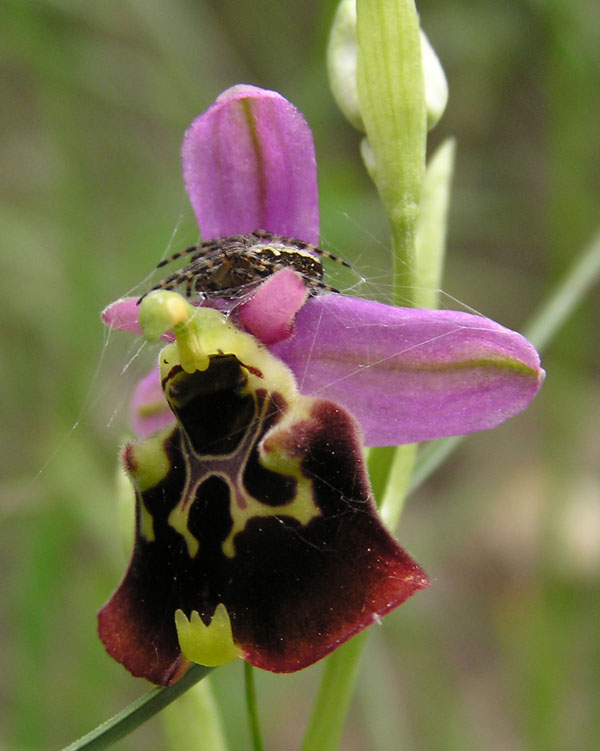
[
  {"x": 149, "y": 410},
  {"x": 269, "y": 314},
  {"x": 123, "y": 315},
  {"x": 249, "y": 163}
]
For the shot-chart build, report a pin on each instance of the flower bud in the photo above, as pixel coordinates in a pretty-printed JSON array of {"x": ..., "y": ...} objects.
[
  {"x": 436, "y": 85},
  {"x": 341, "y": 64}
]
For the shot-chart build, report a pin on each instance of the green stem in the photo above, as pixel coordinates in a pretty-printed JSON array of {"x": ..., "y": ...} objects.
[
  {"x": 252, "y": 707},
  {"x": 341, "y": 668},
  {"x": 404, "y": 259},
  {"x": 333, "y": 699},
  {"x": 194, "y": 721},
  {"x": 137, "y": 713},
  {"x": 392, "y": 102},
  {"x": 398, "y": 483}
]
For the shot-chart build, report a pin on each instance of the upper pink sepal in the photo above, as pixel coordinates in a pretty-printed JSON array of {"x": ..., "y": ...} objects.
[{"x": 249, "y": 163}]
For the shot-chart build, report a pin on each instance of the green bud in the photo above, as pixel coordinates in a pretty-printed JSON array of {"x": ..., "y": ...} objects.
[
  {"x": 342, "y": 53},
  {"x": 389, "y": 75},
  {"x": 436, "y": 85},
  {"x": 368, "y": 158}
]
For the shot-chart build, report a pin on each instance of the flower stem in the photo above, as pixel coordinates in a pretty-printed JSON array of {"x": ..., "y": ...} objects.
[
  {"x": 333, "y": 699},
  {"x": 194, "y": 722},
  {"x": 398, "y": 483},
  {"x": 404, "y": 259},
  {"x": 137, "y": 713},
  {"x": 252, "y": 707},
  {"x": 341, "y": 668},
  {"x": 392, "y": 101}
]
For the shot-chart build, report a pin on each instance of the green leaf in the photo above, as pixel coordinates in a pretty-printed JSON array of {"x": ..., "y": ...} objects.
[{"x": 137, "y": 713}]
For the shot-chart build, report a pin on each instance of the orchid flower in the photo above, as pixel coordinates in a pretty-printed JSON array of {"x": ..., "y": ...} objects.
[{"x": 257, "y": 535}]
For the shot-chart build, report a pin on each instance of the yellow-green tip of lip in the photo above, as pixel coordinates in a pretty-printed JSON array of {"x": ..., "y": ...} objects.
[{"x": 210, "y": 645}]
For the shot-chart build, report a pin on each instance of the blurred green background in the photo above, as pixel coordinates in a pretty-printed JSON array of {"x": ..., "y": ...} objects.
[{"x": 503, "y": 651}]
